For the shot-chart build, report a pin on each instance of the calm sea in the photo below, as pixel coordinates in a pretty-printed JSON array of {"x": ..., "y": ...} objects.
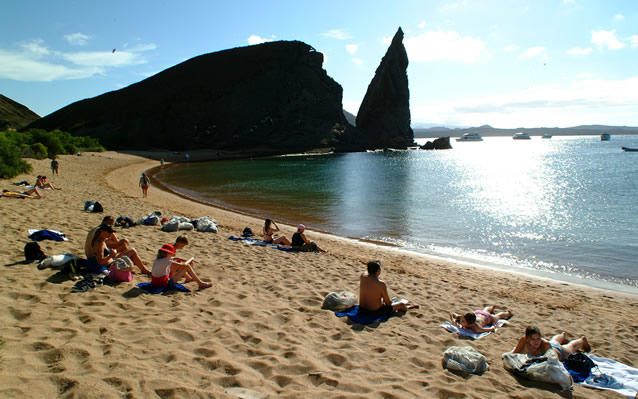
[{"x": 564, "y": 208}]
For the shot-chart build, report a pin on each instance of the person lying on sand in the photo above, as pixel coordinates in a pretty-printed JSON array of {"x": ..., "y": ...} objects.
[
  {"x": 32, "y": 193},
  {"x": 533, "y": 345},
  {"x": 480, "y": 320},
  {"x": 270, "y": 228},
  {"x": 112, "y": 241},
  {"x": 301, "y": 243},
  {"x": 167, "y": 271},
  {"x": 373, "y": 293},
  {"x": 104, "y": 255}
]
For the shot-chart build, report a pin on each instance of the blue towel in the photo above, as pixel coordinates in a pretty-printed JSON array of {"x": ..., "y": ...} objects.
[
  {"x": 41, "y": 235},
  {"x": 262, "y": 243},
  {"x": 355, "y": 317},
  {"x": 152, "y": 289}
]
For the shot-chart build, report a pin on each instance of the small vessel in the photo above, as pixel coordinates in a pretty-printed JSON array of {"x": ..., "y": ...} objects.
[
  {"x": 474, "y": 136},
  {"x": 605, "y": 137},
  {"x": 521, "y": 136},
  {"x": 547, "y": 136},
  {"x": 629, "y": 149}
]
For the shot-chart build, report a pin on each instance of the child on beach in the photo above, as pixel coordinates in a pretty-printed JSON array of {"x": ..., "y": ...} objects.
[
  {"x": 533, "y": 344},
  {"x": 167, "y": 271},
  {"x": 270, "y": 228},
  {"x": 480, "y": 320}
]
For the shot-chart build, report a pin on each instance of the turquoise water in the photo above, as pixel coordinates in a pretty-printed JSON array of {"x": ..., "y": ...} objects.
[{"x": 564, "y": 207}]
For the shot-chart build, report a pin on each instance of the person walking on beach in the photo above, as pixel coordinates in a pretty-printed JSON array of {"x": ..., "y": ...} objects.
[
  {"x": 301, "y": 243},
  {"x": 534, "y": 345},
  {"x": 145, "y": 182},
  {"x": 270, "y": 228},
  {"x": 373, "y": 293},
  {"x": 54, "y": 166}
]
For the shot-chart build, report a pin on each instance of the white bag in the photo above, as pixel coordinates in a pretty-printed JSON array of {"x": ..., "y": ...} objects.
[
  {"x": 545, "y": 369},
  {"x": 339, "y": 300},
  {"x": 465, "y": 358}
]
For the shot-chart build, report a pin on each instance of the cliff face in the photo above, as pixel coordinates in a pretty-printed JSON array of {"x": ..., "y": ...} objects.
[
  {"x": 272, "y": 98},
  {"x": 384, "y": 114},
  {"x": 14, "y": 115}
]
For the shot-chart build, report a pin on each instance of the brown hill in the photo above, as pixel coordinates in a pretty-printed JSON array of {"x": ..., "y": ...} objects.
[{"x": 14, "y": 115}]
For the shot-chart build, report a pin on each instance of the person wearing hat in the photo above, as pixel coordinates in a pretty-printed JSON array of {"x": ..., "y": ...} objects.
[
  {"x": 112, "y": 241},
  {"x": 301, "y": 243},
  {"x": 167, "y": 271},
  {"x": 104, "y": 255}
]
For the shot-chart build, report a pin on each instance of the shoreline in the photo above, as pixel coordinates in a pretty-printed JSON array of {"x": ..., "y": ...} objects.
[
  {"x": 261, "y": 327},
  {"x": 594, "y": 283}
]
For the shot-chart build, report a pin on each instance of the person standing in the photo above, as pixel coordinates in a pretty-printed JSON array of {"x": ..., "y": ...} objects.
[
  {"x": 145, "y": 182},
  {"x": 54, "y": 166}
]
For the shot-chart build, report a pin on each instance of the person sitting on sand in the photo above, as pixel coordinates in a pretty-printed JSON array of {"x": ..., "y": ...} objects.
[
  {"x": 533, "y": 345},
  {"x": 270, "y": 228},
  {"x": 301, "y": 243},
  {"x": 480, "y": 320},
  {"x": 104, "y": 255},
  {"x": 373, "y": 293},
  {"x": 180, "y": 243},
  {"x": 32, "y": 193},
  {"x": 42, "y": 182},
  {"x": 167, "y": 270},
  {"x": 112, "y": 241}
]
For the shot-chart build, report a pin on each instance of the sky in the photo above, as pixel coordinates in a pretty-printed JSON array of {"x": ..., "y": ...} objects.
[{"x": 509, "y": 64}]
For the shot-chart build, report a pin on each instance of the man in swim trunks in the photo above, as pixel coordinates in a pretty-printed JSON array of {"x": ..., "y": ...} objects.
[
  {"x": 480, "y": 321},
  {"x": 533, "y": 345},
  {"x": 373, "y": 293}
]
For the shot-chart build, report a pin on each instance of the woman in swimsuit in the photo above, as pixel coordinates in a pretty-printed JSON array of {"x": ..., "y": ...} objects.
[
  {"x": 479, "y": 320},
  {"x": 533, "y": 345},
  {"x": 104, "y": 255},
  {"x": 270, "y": 228}
]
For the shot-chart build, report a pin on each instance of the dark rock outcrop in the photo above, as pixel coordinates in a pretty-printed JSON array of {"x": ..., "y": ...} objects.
[
  {"x": 384, "y": 114},
  {"x": 14, "y": 115},
  {"x": 442, "y": 143},
  {"x": 270, "y": 98}
]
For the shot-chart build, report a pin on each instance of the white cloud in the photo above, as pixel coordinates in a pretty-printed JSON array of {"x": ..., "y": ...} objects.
[
  {"x": 607, "y": 39},
  {"x": 357, "y": 61},
  {"x": 533, "y": 52},
  {"x": 35, "y": 48},
  {"x": 451, "y": 46},
  {"x": 511, "y": 47},
  {"x": 255, "y": 39},
  {"x": 619, "y": 16},
  {"x": 104, "y": 58},
  {"x": 337, "y": 34},
  {"x": 634, "y": 41},
  {"x": 352, "y": 48},
  {"x": 18, "y": 66},
  {"x": 579, "y": 51},
  {"x": 77, "y": 39},
  {"x": 421, "y": 25}
]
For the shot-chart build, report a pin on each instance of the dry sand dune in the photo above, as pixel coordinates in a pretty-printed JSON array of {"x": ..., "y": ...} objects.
[{"x": 260, "y": 331}]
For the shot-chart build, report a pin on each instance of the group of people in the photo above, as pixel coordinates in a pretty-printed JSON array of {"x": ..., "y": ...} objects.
[
  {"x": 102, "y": 247},
  {"x": 33, "y": 193},
  {"x": 299, "y": 240}
]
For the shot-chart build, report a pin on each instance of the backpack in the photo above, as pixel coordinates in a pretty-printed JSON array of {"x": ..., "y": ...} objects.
[
  {"x": 247, "y": 232},
  {"x": 32, "y": 252},
  {"x": 97, "y": 207}
]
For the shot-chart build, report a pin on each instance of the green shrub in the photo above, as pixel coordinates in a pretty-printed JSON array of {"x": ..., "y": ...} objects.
[
  {"x": 11, "y": 164},
  {"x": 26, "y": 150},
  {"x": 39, "y": 151}
]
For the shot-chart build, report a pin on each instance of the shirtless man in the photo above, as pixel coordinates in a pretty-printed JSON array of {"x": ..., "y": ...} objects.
[
  {"x": 534, "y": 345},
  {"x": 112, "y": 241},
  {"x": 373, "y": 293}
]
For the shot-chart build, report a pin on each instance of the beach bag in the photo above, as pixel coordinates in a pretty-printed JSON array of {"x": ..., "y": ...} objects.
[
  {"x": 33, "y": 252},
  {"x": 339, "y": 300},
  {"x": 466, "y": 359},
  {"x": 207, "y": 225},
  {"x": 123, "y": 263},
  {"x": 152, "y": 220},
  {"x": 579, "y": 365},
  {"x": 544, "y": 369},
  {"x": 88, "y": 206},
  {"x": 247, "y": 232},
  {"x": 171, "y": 226},
  {"x": 97, "y": 208},
  {"x": 119, "y": 275},
  {"x": 185, "y": 226}
]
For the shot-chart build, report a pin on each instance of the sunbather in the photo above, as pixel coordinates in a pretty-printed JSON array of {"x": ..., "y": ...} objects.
[
  {"x": 373, "y": 293},
  {"x": 270, "y": 228},
  {"x": 534, "y": 345},
  {"x": 301, "y": 243},
  {"x": 104, "y": 255},
  {"x": 480, "y": 321},
  {"x": 42, "y": 182},
  {"x": 167, "y": 270},
  {"x": 32, "y": 193},
  {"x": 112, "y": 241}
]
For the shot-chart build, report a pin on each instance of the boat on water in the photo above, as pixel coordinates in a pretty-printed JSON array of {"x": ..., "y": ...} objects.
[
  {"x": 521, "y": 136},
  {"x": 547, "y": 136},
  {"x": 474, "y": 136},
  {"x": 629, "y": 149},
  {"x": 605, "y": 137}
]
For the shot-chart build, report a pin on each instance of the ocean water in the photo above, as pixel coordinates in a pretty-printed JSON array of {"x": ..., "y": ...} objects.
[{"x": 564, "y": 208}]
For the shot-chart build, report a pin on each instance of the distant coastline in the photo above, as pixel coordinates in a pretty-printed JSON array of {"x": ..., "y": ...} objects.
[{"x": 487, "y": 131}]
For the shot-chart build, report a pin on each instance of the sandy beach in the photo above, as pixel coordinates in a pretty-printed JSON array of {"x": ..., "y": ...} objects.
[{"x": 259, "y": 331}]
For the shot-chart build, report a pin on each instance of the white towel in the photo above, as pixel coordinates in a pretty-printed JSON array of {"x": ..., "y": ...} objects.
[
  {"x": 463, "y": 332},
  {"x": 625, "y": 377}
]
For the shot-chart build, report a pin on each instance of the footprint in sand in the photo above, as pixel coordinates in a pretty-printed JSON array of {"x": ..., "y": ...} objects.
[{"x": 18, "y": 314}]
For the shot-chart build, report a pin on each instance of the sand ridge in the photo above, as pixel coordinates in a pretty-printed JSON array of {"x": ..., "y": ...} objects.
[{"x": 261, "y": 326}]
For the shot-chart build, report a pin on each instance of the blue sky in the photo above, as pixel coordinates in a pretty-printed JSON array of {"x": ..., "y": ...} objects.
[{"x": 504, "y": 63}]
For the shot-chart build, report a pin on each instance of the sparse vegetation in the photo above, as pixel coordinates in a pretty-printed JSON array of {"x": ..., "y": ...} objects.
[{"x": 38, "y": 144}]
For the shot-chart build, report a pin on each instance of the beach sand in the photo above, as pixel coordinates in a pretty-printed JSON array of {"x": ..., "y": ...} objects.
[{"x": 260, "y": 331}]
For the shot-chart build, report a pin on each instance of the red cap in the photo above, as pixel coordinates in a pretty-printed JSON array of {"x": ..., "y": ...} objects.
[{"x": 168, "y": 248}]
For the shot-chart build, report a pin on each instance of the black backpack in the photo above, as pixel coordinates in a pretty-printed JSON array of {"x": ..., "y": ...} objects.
[
  {"x": 97, "y": 208},
  {"x": 33, "y": 252},
  {"x": 579, "y": 362},
  {"x": 247, "y": 232}
]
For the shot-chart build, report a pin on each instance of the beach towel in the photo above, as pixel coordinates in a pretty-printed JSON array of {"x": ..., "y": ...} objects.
[
  {"x": 152, "y": 289},
  {"x": 614, "y": 376},
  {"x": 262, "y": 243},
  {"x": 463, "y": 332},
  {"x": 40, "y": 235},
  {"x": 365, "y": 318}
]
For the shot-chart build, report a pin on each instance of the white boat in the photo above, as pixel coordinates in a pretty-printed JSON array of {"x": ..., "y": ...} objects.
[
  {"x": 605, "y": 137},
  {"x": 521, "y": 136},
  {"x": 547, "y": 136},
  {"x": 474, "y": 136}
]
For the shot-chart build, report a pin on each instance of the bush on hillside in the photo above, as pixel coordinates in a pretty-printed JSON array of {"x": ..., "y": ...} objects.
[
  {"x": 11, "y": 164},
  {"x": 39, "y": 151}
]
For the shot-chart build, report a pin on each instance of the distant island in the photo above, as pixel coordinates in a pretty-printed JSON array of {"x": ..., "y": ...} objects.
[{"x": 487, "y": 130}]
